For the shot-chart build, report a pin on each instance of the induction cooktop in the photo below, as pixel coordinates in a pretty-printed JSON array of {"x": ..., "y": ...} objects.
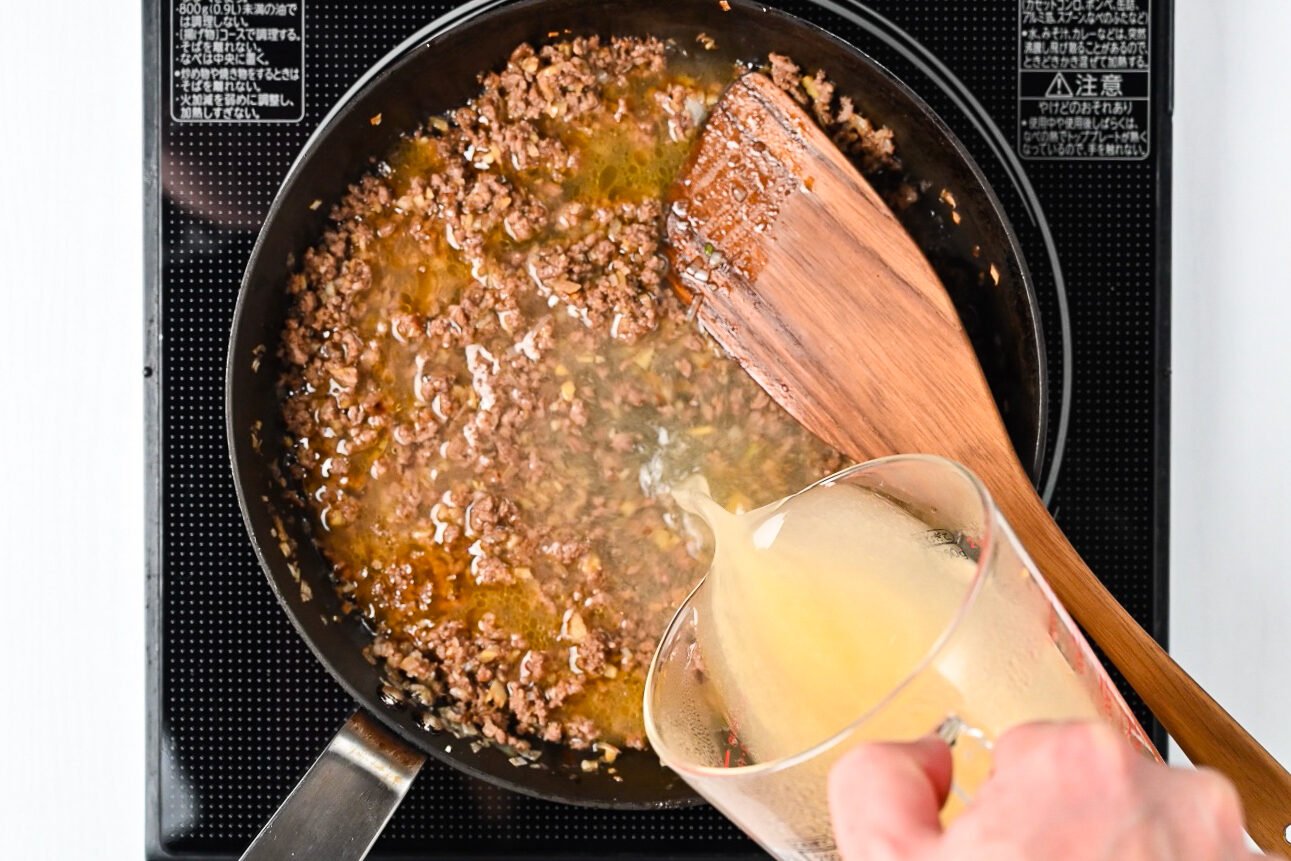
[{"x": 1066, "y": 108}]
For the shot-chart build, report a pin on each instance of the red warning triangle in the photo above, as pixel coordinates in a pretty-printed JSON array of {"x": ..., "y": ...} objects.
[{"x": 1059, "y": 88}]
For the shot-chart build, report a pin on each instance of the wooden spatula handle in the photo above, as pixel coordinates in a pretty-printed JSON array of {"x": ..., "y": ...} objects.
[
  {"x": 1205, "y": 731},
  {"x": 803, "y": 274}
]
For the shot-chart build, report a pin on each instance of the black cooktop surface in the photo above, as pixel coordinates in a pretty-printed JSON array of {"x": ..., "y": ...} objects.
[{"x": 1064, "y": 106}]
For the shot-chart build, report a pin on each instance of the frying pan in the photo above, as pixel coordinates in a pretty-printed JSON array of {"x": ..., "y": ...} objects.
[{"x": 345, "y": 799}]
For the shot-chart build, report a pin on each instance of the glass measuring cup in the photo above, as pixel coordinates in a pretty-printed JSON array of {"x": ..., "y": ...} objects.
[{"x": 997, "y": 650}]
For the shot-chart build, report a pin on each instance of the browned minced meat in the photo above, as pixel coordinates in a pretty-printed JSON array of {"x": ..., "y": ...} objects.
[
  {"x": 488, "y": 383},
  {"x": 851, "y": 131}
]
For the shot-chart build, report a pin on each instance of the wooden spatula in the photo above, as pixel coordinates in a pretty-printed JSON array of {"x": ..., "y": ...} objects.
[{"x": 806, "y": 278}]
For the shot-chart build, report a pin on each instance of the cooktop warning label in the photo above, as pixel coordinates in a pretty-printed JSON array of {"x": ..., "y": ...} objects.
[
  {"x": 237, "y": 61},
  {"x": 1083, "y": 79}
]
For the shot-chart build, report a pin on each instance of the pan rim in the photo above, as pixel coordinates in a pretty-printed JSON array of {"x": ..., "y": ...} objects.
[{"x": 476, "y": 13}]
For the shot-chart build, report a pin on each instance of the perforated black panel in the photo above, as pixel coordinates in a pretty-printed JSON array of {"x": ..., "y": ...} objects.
[{"x": 240, "y": 705}]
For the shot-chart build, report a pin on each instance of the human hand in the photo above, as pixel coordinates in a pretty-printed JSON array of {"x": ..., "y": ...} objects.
[{"x": 1059, "y": 792}]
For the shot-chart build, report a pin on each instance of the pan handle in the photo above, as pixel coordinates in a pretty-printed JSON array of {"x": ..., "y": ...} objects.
[{"x": 341, "y": 804}]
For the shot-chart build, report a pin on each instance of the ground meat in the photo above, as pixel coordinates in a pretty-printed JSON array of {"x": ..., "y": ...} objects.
[
  {"x": 851, "y": 131},
  {"x": 488, "y": 384}
]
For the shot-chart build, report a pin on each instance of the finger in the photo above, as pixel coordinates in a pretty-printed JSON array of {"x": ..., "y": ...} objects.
[
  {"x": 1075, "y": 753},
  {"x": 884, "y": 799},
  {"x": 1219, "y": 796},
  {"x": 1214, "y": 804},
  {"x": 1021, "y": 743}
]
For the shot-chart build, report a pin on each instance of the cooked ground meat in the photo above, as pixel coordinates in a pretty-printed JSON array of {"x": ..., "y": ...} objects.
[
  {"x": 489, "y": 385},
  {"x": 855, "y": 135}
]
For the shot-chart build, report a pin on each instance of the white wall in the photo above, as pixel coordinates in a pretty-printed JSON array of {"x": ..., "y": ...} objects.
[
  {"x": 71, "y": 490},
  {"x": 1231, "y": 460}
]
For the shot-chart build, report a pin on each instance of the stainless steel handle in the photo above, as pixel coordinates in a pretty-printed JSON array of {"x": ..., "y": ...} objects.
[{"x": 341, "y": 804}]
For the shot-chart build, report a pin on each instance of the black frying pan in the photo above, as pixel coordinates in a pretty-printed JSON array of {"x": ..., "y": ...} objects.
[{"x": 437, "y": 72}]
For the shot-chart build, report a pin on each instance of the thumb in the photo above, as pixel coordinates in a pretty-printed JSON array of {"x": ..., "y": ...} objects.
[{"x": 884, "y": 799}]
